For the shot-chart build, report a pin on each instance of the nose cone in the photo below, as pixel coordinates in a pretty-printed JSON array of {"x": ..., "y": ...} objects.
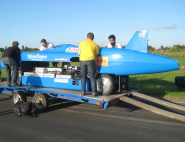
[
  {"x": 130, "y": 62},
  {"x": 144, "y": 63}
]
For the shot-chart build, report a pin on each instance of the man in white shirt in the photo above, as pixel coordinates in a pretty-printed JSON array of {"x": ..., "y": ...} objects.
[
  {"x": 113, "y": 44},
  {"x": 45, "y": 45}
]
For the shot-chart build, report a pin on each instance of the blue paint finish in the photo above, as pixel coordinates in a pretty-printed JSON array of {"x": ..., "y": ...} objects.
[
  {"x": 12, "y": 88},
  {"x": 139, "y": 42},
  {"x": 69, "y": 96},
  {"x": 106, "y": 105},
  {"x": 2, "y": 65},
  {"x": 83, "y": 99},
  {"x": 6, "y": 91},
  {"x": 48, "y": 56},
  {"x": 129, "y": 62},
  {"x": 51, "y": 83}
]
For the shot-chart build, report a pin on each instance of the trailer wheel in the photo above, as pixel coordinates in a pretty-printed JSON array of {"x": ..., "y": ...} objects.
[
  {"x": 40, "y": 101},
  {"x": 105, "y": 84},
  {"x": 19, "y": 97}
]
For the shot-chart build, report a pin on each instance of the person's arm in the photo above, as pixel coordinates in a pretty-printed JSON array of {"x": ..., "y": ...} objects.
[
  {"x": 96, "y": 64},
  {"x": 50, "y": 46},
  {"x": 79, "y": 51},
  {"x": 18, "y": 57},
  {"x": 109, "y": 45},
  {"x": 41, "y": 48},
  {"x": 119, "y": 45},
  {"x": 97, "y": 52},
  {"x": 182, "y": 68}
]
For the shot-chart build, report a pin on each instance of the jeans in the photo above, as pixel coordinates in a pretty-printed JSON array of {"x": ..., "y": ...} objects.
[
  {"x": 90, "y": 67},
  {"x": 11, "y": 64}
]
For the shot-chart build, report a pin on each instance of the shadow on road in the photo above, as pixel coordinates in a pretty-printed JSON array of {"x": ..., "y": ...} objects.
[
  {"x": 131, "y": 107},
  {"x": 60, "y": 104},
  {"x": 6, "y": 112},
  {"x": 5, "y": 99}
]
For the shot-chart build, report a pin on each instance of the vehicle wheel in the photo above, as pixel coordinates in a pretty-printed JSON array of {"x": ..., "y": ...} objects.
[
  {"x": 105, "y": 84},
  {"x": 40, "y": 101},
  {"x": 19, "y": 97}
]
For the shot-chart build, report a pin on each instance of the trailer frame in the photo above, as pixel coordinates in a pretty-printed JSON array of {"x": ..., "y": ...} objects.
[{"x": 72, "y": 95}]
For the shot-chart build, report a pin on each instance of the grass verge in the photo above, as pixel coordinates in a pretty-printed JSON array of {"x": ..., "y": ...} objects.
[{"x": 160, "y": 85}]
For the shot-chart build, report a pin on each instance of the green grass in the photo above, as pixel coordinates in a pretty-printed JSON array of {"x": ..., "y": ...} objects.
[
  {"x": 172, "y": 55},
  {"x": 160, "y": 85}
]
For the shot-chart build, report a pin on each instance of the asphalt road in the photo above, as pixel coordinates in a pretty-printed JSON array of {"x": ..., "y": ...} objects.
[{"x": 76, "y": 122}]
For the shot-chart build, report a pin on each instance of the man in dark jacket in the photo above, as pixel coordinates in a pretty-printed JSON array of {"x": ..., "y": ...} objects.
[{"x": 11, "y": 58}]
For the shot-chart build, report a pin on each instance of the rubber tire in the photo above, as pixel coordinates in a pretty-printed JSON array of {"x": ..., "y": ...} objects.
[
  {"x": 99, "y": 82},
  {"x": 19, "y": 95},
  {"x": 43, "y": 101}
]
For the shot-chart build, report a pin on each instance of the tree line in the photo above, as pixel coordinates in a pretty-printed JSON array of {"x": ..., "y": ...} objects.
[
  {"x": 23, "y": 49},
  {"x": 167, "y": 49}
]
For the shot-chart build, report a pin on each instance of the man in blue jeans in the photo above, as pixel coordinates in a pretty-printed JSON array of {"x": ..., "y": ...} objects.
[
  {"x": 88, "y": 51},
  {"x": 11, "y": 58}
]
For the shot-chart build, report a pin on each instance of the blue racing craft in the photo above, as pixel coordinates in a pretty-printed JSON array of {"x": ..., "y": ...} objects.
[{"x": 113, "y": 65}]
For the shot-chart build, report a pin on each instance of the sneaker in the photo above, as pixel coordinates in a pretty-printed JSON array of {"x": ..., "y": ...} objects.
[
  {"x": 94, "y": 95},
  {"x": 82, "y": 94},
  {"x": 99, "y": 93}
]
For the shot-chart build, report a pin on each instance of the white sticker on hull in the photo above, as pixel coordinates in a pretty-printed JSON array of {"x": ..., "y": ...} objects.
[{"x": 61, "y": 80}]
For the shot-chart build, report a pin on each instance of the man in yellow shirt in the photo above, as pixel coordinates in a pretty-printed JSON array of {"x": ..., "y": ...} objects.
[{"x": 88, "y": 51}]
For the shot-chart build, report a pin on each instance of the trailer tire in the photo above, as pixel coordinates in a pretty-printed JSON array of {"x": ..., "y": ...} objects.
[
  {"x": 40, "y": 101},
  {"x": 105, "y": 84},
  {"x": 19, "y": 97}
]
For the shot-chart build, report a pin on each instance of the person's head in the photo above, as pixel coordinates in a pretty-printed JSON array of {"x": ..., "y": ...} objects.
[
  {"x": 90, "y": 36},
  {"x": 43, "y": 42},
  {"x": 15, "y": 43},
  {"x": 112, "y": 39}
]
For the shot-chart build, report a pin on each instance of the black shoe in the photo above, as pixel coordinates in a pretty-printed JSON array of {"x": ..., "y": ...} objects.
[
  {"x": 9, "y": 85},
  {"x": 94, "y": 95},
  {"x": 82, "y": 94},
  {"x": 99, "y": 93}
]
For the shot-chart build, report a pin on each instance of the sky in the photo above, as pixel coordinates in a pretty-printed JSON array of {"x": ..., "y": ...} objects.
[{"x": 69, "y": 21}]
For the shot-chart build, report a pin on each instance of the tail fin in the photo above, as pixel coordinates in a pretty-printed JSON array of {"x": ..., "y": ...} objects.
[{"x": 139, "y": 41}]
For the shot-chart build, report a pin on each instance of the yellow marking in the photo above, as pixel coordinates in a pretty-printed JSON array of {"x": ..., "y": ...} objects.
[
  {"x": 3, "y": 83},
  {"x": 115, "y": 102},
  {"x": 98, "y": 103},
  {"x": 102, "y": 61}
]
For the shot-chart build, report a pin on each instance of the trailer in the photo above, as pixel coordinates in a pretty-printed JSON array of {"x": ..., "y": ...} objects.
[
  {"x": 41, "y": 95},
  {"x": 40, "y": 99},
  {"x": 42, "y": 82}
]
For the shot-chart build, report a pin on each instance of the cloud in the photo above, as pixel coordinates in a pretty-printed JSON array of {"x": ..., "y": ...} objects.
[
  {"x": 164, "y": 27},
  {"x": 171, "y": 27}
]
